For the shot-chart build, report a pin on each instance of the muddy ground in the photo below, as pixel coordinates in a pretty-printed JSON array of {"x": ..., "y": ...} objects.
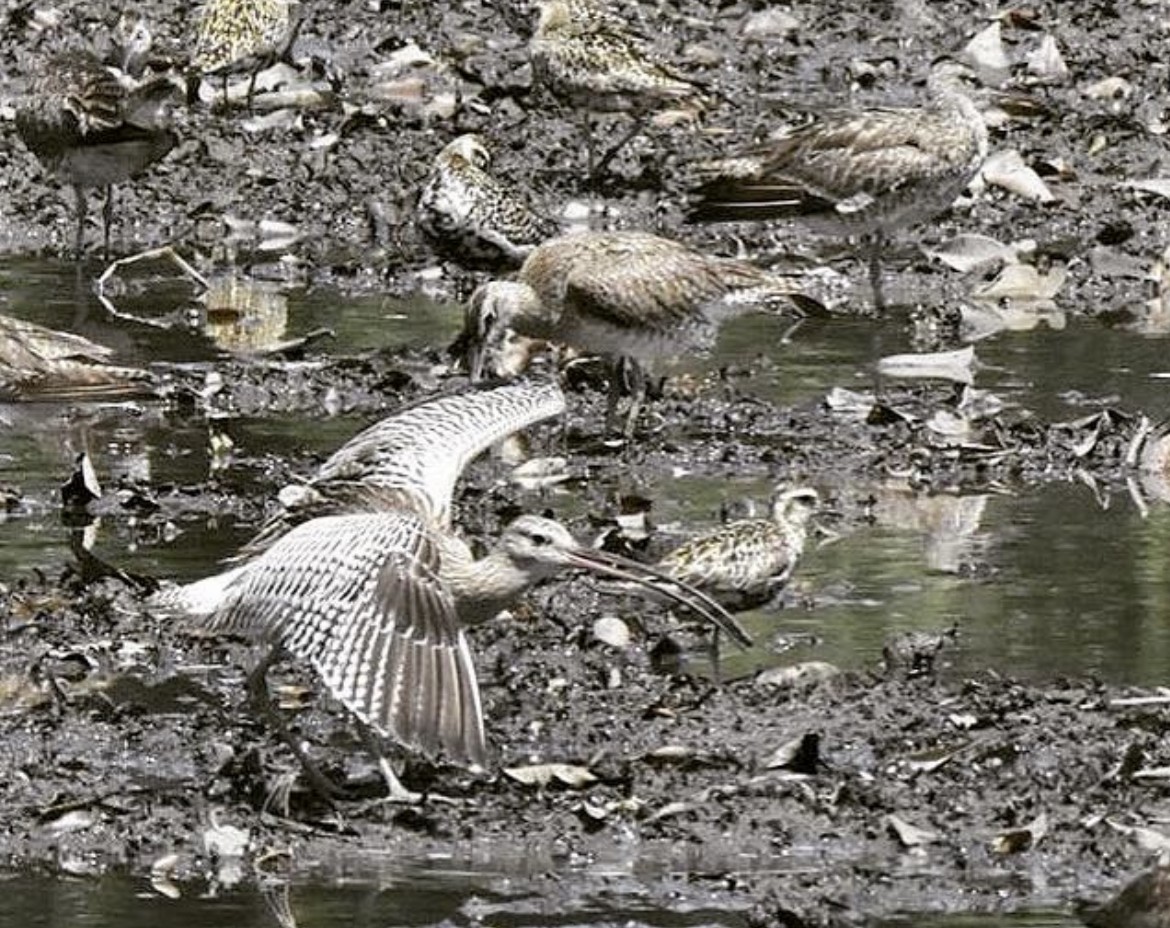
[{"x": 125, "y": 739}]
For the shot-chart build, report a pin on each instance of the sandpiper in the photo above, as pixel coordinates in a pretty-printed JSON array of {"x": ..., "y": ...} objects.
[
  {"x": 376, "y": 598},
  {"x": 92, "y": 129},
  {"x": 242, "y": 35},
  {"x": 864, "y": 173},
  {"x": 628, "y": 295},
  {"x": 593, "y": 65},
  {"x": 473, "y": 219},
  {"x": 747, "y": 562},
  {"x": 45, "y": 364}
]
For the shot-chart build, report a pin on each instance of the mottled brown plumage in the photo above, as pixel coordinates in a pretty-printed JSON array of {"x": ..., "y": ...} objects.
[
  {"x": 747, "y": 562},
  {"x": 37, "y": 363},
  {"x": 591, "y": 64},
  {"x": 472, "y": 218},
  {"x": 864, "y": 173},
  {"x": 622, "y": 294},
  {"x": 93, "y": 130},
  {"x": 242, "y": 35}
]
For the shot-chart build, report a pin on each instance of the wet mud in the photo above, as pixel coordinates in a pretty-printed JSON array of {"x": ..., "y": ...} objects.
[{"x": 815, "y": 796}]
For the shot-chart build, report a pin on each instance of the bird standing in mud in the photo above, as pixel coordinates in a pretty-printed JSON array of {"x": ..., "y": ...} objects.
[
  {"x": 93, "y": 130},
  {"x": 745, "y": 563},
  {"x": 376, "y": 596},
  {"x": 242, "y": 35},
  {"x": 592, "y": 65},
  {"x": 473, "y": 219},
  {"x": 864, "y": 173},
  {"x": 629, "y": 295}
]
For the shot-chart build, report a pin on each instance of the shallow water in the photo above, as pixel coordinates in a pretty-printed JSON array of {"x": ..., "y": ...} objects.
[{"x": 1058, "y": 579}]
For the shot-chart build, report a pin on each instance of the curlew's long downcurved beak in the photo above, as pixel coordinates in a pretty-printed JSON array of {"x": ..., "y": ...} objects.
[{"x": 651, "y": 578}]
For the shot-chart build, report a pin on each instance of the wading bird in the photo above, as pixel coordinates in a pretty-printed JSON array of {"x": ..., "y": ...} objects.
[
  {"x": 376, "y": 597},
  {"x": 863, "y": 173},
  {"x": 628, "y": 295},
  {"x": 93, "y": 130},
  {"x": 746, "y": 563}
]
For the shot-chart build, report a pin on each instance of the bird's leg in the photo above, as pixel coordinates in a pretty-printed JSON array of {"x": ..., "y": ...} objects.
[
  {"x": 627, "y": 375},
  {"x": 395, "y": 791},
  {"x": 639, "y": 124},
  {"x": 875, "y": 244},
  {"x": 81, "y": 208},
  {"x": 107, "y": 220},
  {"x": 252, "y": 86},
  {"x": 258, "y": 696}
]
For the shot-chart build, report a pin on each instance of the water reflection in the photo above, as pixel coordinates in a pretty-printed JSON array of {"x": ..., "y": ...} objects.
[{"x": 1039, "y": 582}]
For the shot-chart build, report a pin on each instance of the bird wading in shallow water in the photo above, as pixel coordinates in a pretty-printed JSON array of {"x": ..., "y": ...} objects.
[
  {"x": 857, "y": 173},
  {"x": 471, "y": 218},
  {"x": 376, "y": 597},
  {"x": 92, "y": 130},
  {"x": 746, "y": 563},
  {"x": 591, "y": 65},
  {"x": 627, "y": 295}
]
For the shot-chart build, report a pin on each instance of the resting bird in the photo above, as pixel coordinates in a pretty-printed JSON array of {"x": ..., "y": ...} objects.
[
  {"x": 864, "y": 173},
  {"x": 746, "y": 563},
  {"x": 376, "y": 596},
  {"x": 37, "y": 363},
  {"x": 592, "y": 65},
  {"x": 471, "y": 218},
  {"x": 92, "y": 130},
  {"x": 628, "y": 295}
]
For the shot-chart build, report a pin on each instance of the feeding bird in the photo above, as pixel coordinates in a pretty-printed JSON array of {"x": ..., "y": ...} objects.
[
  {"x": 745, "y": 563},
  {"x": 857, "y": 173},
  {"x": 93, "y": 130},
  {"x": 377, "y": 596},
  {"x": 628, "y": 295},
  {"x": 472, "y": 218},
  {"x": 591, "y": 64}
]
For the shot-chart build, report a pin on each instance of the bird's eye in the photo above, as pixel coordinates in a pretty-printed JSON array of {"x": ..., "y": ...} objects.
[{"x": 540, "y": 540}]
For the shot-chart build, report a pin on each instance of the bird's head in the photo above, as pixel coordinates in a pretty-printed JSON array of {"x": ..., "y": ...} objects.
[
  {"x": 541, "y": 547},
  {"x": 555, "y": 16},
  {"x": 795, "y": 504},
  {"x": 469, "y": 148},
  {"x": 489, "y": 315}
]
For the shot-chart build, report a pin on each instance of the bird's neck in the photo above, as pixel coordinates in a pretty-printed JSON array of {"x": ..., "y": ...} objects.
[{"x": 482, "y": 588}]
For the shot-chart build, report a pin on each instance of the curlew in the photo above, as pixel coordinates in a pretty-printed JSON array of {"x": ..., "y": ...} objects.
[
  {"x": 628, "y": 295},
  {"x": 747, "y": 562},
  {"x": 865, "y": 173},
  {"x": 91, "y": 129},
  {"x": 376, "y": 596},
  {"x": 473, "y": 219},
  {"x": 592, "y": 65}
]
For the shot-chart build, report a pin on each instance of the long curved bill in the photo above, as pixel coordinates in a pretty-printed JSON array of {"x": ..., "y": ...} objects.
[{"x": 658, "y": 581}]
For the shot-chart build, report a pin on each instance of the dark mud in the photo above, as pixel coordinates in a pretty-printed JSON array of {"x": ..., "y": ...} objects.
[{"x": 126, "y": 740}]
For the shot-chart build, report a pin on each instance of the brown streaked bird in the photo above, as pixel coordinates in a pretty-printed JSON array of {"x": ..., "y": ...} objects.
[
  {"x": 37, "y": 363},
  {"x": 473, "y": 219},
  {"x": 592, "y": 65},
  {"x": 92, "y": 130},
  {"x": 628, "y": 295},
  {"x": 243, "y": 35},
  {"x": 860, "y": 173},
  {"x": 746, "y": 563},
  {"x": 376, "y": 597}
]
